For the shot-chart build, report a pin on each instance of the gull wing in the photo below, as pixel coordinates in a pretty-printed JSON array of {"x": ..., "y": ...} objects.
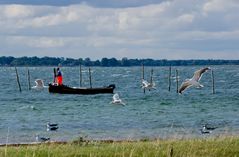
[
  {"x": 153, "y": 84},
  {"x": 198, "y": 74},
  {"x": 115, "y": 97},
  {"x": 184, "y": 86},
  {"x": 39, "y": 83},
  {"x": 145, "y": 83}
]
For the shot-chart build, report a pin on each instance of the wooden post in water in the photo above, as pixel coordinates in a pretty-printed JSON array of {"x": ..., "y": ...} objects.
[
  {"x": 151, "y": 76},
  {"x": 90, "y": 77},
  {"x": 29, "y": 79},
  {"x": 142, "y": 71},
  {"x": 80, "y": 76},
  {"x": 143, "y": 74},
  {"x": 177, "y": 80},
  {"x": 169, "y": 79},
  {"x": 18, "y": 82},
  {"x": 213, "y": 83},
  {"x": 54, "y": 79}
]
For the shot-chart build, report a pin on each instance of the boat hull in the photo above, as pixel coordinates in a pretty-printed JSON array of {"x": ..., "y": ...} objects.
[{"x": 63, "y": 89}]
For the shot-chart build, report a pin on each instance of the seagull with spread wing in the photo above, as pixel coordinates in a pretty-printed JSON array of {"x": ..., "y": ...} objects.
[
  {"x": 117, "y": 100},
  {"x": 148, "y": 85},
  {"x": 39, "y": 84},
  {"x": 194, "y": 81}
]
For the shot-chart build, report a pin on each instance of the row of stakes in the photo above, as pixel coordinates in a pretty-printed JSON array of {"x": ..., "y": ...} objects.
[
  {"x": 29, "y": 81},
  {"x": 177, "y": 79},
  {"x": 169, "y": 79}
]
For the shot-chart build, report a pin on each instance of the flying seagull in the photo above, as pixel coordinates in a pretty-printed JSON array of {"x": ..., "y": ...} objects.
[
  {"x": 39, "y": 84},
  {"x": 117, "y": 100},
  {"x": 194, "y": 81},
  {"x": 148, "y": 85}
]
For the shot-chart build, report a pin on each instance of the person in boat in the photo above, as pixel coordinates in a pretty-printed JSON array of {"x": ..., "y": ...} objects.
[{"x": 59, "y": 77}]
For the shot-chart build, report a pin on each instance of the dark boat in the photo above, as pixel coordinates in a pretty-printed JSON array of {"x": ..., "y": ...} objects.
[{"x": 63, "y": 89}]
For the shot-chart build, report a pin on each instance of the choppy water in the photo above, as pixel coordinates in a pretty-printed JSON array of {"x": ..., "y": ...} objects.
[{"x": 156, "y": 114}]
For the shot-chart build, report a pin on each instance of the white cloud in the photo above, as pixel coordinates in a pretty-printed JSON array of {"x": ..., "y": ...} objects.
[
  {"x": 166, "y": 30},
  {"x": 123, "y": 20},
  {"x": 186, "y": 18},
  {"x": 17, "y": 11},
  {"x": 59, "y": 16},
  {"x": 37, "y": 42},
  {"x": 220, "y": 5},
  {"x": 46, "y": 43}
]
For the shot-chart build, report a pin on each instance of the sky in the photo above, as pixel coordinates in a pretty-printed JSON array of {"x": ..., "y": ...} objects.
[{"x": 157, "y": 29}]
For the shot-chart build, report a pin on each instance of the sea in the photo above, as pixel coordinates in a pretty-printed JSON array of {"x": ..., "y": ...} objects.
[{"x": 155, "y": 114}]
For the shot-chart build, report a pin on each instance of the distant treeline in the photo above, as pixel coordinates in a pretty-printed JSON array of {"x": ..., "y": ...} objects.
[{"x": 106, "y": 62}]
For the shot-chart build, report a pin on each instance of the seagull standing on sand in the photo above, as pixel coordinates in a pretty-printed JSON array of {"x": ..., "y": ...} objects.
[
  {"x": 194, "y": 81},
  {"x": 42, "y": 139},
  {"x": 117, "y": 100},
  {"x": 207, "y": 130},
  {"x": 39, "y": 84}
]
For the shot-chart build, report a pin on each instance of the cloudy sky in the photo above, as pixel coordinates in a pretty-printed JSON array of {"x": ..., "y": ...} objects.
[{"x": 160, "y": 29}]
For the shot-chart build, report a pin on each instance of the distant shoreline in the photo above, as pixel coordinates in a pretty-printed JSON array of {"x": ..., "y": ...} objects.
[{"x": 108, "y": 62}]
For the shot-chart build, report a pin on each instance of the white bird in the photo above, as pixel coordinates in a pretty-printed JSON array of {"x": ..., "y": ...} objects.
[
  {"x": 42, "y": 139},
  {"x": 207, "y": 130},
  {"x": 39, "y": 84},
  {"x": 51, "y": 126},
  {"x": 117, "y": 100},
  {"x": 148, "y": 85},
  {"x": 194, "y": 81}
]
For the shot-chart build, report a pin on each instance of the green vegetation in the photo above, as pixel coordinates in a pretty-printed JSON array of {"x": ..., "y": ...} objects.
[
  {"x": 223, "y": 147},
  {"x": 105, "y": 62}
]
